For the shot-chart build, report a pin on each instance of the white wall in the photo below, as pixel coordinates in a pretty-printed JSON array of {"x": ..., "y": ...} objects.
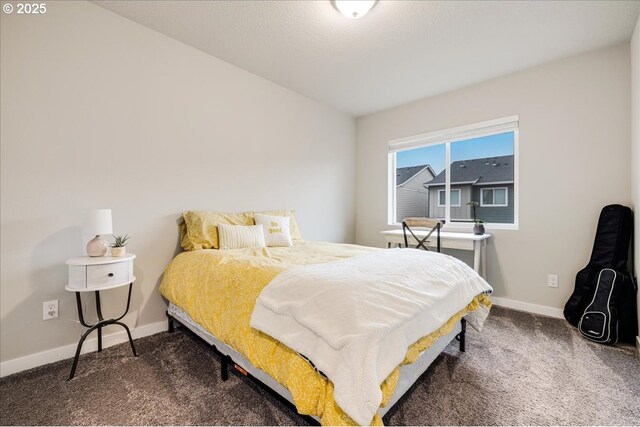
[
  {"x": 98, "y": 111},
  {"x": 635, "y": 147},
  {"x": 574, "y": 159}
]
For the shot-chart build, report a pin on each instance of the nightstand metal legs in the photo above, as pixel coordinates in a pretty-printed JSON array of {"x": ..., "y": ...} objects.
[
  {"x": 99, "y": 325},
  {"x": 99, "y": 312}
]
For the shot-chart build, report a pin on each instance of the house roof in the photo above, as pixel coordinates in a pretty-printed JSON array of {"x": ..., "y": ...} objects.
[
  {"x": 478, "y": 171},
  {"x": 404, "y": 174}
]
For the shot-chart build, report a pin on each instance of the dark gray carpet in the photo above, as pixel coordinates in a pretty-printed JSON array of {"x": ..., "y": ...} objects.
[{"x": 522, "y": 369}]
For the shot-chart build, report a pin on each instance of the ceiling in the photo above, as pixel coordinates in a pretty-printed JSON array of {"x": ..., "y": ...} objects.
[{"x": 401, "y": 51}]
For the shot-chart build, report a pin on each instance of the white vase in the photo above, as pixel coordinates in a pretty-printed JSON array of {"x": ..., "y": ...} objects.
[{"x": 120, "y": 251}]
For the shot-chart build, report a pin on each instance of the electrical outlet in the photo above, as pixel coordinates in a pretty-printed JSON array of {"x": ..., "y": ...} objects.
[
  {"x": 50, "y": 310},
  {"x": 552, "y": 281}
]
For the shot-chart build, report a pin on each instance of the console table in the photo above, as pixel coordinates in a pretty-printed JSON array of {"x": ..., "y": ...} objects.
[{"x": 449, "y": 240}]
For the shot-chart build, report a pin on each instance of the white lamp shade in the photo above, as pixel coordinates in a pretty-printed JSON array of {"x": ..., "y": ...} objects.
[
  {"x": 96, "y": 222},
  {"x": 354, "y": 9}
]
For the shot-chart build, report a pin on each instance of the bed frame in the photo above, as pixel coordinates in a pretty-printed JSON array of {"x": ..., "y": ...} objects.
[{"x": 230, "y": 357}]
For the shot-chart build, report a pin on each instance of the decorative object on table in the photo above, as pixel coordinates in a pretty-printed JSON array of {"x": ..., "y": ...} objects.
[
  {"x": 96, "y": 222},
  {"x": 118, "y": 247},
  {"x": 478, "y": 228},
  {"x": 87, "y": 274},
  {"x": 473, "y": 205}
]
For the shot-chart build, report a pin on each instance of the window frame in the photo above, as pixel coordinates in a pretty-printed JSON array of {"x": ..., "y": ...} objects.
[
  {"x": 447, "y": 137},
  {"x": 445, "y": 198},
  {"x": 494, "y": 205}
]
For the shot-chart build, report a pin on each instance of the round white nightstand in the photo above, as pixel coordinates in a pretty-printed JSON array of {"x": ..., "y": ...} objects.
[{"x": 95, "y": 274}]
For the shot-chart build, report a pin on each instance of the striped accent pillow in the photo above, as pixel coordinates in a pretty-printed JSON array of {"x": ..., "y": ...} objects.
[{"x": 240, "y": 236}]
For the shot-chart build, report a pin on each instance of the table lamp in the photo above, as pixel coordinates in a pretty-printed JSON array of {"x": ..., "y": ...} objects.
[{"x": 96, "y": 222}]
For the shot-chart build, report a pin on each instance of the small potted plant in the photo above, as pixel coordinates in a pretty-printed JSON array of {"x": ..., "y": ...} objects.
[
  {"x": 118, "y": 248},
  {"x": 478, "y": 227},
  {"x": 473, "y": 205}
]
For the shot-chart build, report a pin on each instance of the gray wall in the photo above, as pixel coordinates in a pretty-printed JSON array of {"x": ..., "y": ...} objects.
[
  {"x": 98, "y": 111},
  {"x": 573, "y": 112}
]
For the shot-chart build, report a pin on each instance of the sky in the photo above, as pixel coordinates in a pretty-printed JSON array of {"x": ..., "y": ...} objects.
[{"x": 475, "y": 148}]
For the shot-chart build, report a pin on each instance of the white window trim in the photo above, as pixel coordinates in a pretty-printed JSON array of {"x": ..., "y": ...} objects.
[
  {"x": 460, "y": 133},
  {"x": 491, "y": 127},
  {"x": 391, "y": 200},
  {"x": 494, "y": 205},
  {"x": 453, "y": 206}
]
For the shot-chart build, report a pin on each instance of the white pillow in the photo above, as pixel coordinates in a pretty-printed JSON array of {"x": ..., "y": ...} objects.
[
  {"x": 276, "y": 229},
  {"x": 240, "y": 236}
]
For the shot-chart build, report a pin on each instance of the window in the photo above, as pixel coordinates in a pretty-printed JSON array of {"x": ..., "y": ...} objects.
[
  {"x": 494, "y": 197},
  {"x": 455, "y": 198},
  {"x": 458, "y": 175}
]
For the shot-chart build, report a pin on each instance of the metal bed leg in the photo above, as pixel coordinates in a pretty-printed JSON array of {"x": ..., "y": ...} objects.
[
  {"x": 462, "y": 335},
  {"x": 224, "y": 363},
  {"x": 224, "y": 368},
  {"x": 171, "y": 327},
  {"x": 224, "y": 373}
]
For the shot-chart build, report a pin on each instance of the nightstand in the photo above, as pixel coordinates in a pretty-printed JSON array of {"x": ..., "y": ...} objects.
[{"x": 95, "y": 274}]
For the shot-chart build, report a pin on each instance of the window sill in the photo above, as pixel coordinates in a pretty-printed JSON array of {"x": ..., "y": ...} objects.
[{"x": 488, "y": 226}]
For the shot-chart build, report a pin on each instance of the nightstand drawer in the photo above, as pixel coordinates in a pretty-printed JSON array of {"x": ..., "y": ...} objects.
[
  {"x": 107, "y": 274},
  {"x": 100, "y": 275}
]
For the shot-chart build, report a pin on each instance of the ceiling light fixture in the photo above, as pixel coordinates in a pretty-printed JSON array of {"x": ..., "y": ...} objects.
[{"x": 354, "y": 9}]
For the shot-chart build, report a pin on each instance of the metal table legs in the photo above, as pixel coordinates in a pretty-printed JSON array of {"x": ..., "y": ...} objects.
[{"x": 99, "y": 325}]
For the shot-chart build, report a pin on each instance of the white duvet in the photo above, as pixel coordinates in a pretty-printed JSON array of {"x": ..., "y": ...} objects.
[{"x": 355, "y": 318}]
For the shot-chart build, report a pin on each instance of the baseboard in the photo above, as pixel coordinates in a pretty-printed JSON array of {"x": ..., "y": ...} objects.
[
  {"x": 49, "y": 356},
  {"x": 638, "y": 346},
  {"x": 528, "y": 307}
]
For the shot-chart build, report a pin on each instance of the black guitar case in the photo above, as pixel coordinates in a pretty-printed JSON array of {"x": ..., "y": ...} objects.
[{"x": 611, "y": 251}]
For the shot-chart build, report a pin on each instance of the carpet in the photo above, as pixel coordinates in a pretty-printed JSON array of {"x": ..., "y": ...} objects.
[{"x": 522, "y": 369}]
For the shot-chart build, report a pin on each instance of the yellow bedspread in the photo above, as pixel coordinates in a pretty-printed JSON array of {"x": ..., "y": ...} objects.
[{"x": 219, "y": 288}]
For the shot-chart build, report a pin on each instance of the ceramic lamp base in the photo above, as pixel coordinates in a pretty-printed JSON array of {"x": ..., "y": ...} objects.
[{"x": 97, "y": 246}]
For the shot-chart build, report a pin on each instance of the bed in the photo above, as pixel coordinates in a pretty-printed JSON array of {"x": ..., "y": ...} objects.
[{"x": 216, "y": 294}]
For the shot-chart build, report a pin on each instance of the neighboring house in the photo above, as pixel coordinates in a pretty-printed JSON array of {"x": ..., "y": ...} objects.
[
  {"x": 487, "y": 181},
  {"x": 412, "y": 198}
]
